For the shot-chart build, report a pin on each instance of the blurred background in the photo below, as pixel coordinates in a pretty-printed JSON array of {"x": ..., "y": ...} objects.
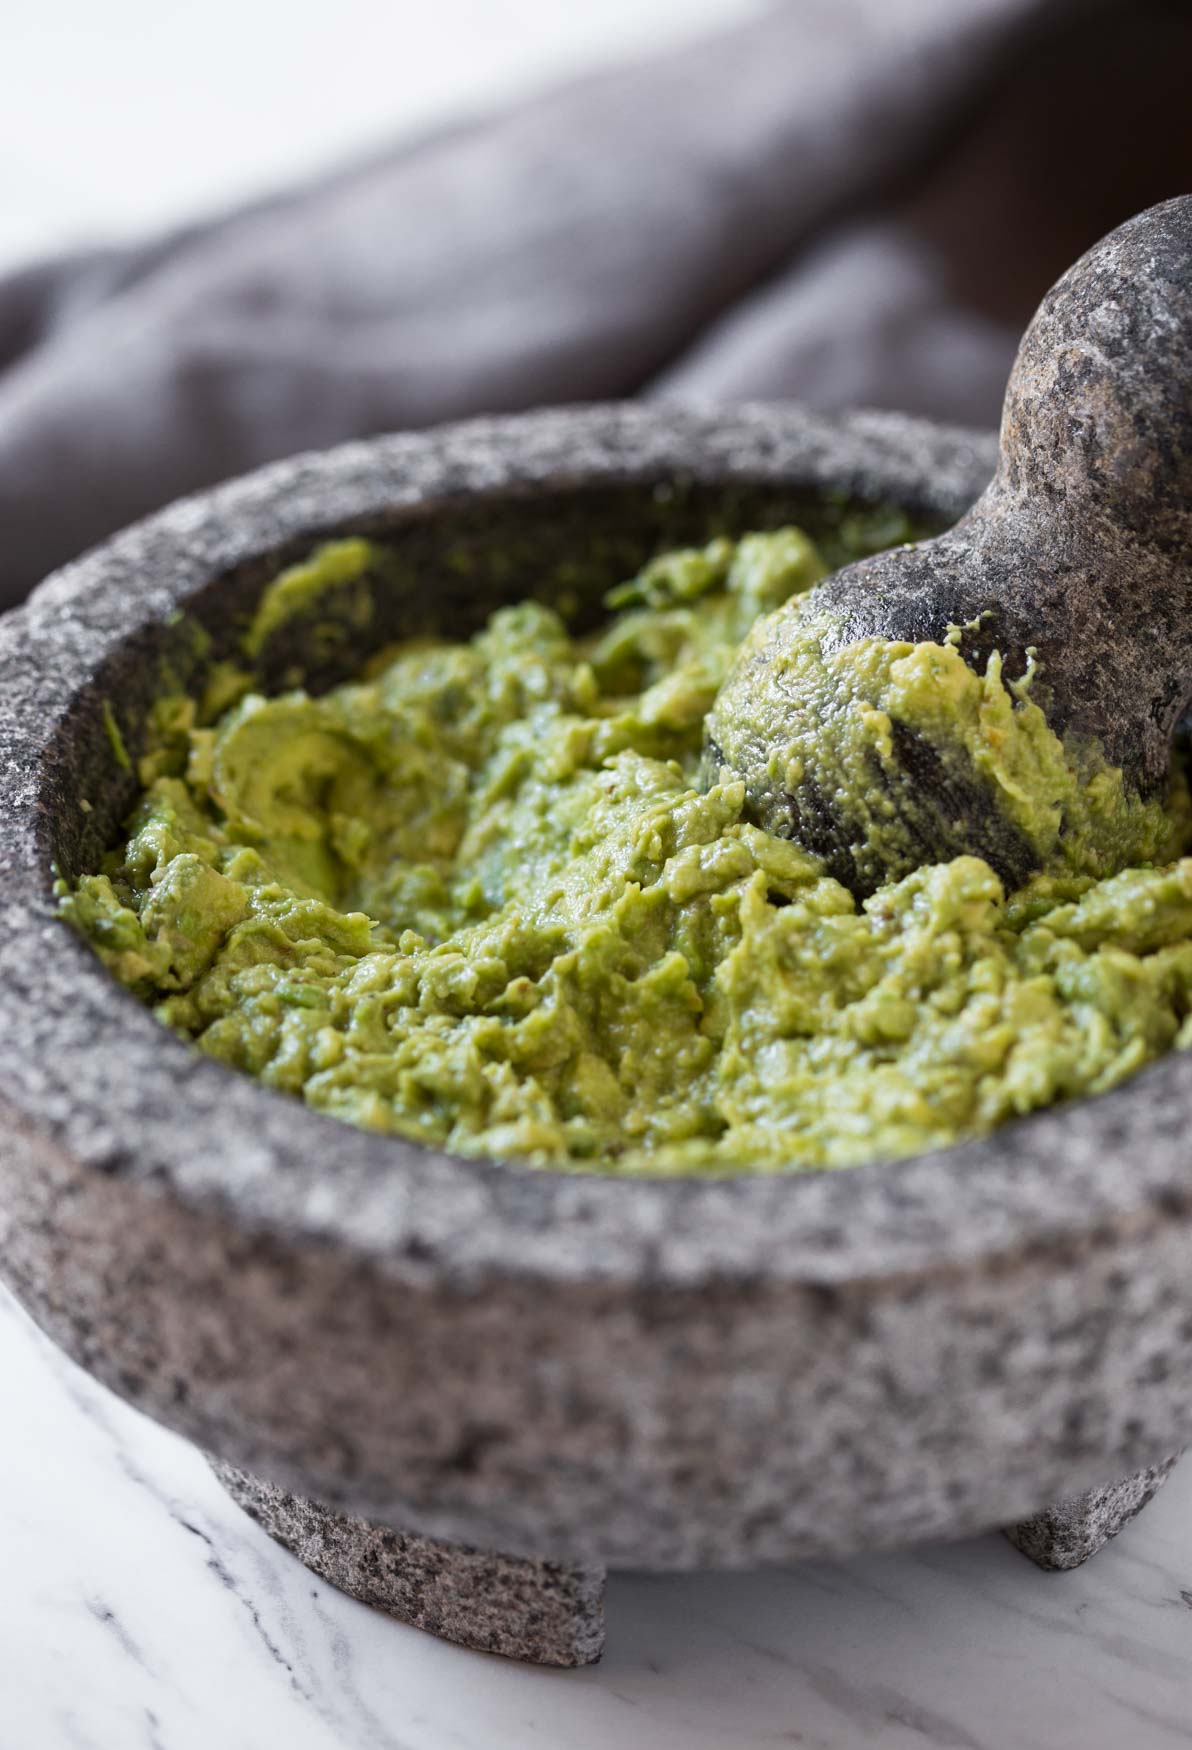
[
  {"x": 235, "y": 231},
  {"x": 133, "y": 115}
]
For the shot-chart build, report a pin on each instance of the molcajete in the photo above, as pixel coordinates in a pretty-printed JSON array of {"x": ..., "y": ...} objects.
[{"x": 662, "y": 1373}]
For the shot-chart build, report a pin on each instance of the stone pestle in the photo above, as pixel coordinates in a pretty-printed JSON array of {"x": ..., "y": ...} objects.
[{"x": 1075, "y": 566}]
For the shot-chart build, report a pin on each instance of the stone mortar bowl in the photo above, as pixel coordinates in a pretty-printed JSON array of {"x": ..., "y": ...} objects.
[{"x": 383, "y": 1347}]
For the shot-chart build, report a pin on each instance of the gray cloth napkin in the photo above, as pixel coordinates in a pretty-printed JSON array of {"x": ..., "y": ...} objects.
[{"x": 850, "y": 202}]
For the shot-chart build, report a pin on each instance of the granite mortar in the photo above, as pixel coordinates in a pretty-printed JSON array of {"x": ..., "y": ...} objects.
[{"x": 656, "y": 1373}]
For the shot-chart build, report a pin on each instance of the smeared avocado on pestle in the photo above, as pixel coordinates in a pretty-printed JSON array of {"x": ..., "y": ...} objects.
[{"x": 859, "y": 737}]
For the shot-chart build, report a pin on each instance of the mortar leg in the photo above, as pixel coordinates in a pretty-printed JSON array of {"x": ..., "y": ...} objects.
[
  {"x": 544, "y": 1612},
  {"x": 1069, "y": 1532}
]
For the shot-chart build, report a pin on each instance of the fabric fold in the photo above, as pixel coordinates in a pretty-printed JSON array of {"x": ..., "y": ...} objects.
[{"x": 690, "y": 224}]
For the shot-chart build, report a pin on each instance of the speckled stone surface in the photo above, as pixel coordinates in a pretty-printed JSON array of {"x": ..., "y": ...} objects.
[
  {"x": 1069, "y": 1532},
  {"x": 548, "y": 1613},
  {"x": 538, "y": 1611},
  {"x": 655, "y": 1373},
  {"x": 1079, "y": 552}
]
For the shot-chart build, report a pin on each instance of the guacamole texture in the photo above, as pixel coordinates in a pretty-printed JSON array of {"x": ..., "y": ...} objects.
[
  {"x": 483, "y": 897},
  {"x": 802, "y": 716}
]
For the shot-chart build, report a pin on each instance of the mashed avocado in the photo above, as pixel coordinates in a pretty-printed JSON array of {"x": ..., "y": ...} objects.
[
  {"x": 801, "y": 716},
  {"x": 479, "y": 899}
]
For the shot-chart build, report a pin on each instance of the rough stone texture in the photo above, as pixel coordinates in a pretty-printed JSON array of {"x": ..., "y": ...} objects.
[
  {"x": 1067, "y": 1534},
  {"x": 1080, "y": 549},
  {"x": 656, "y": 1373},
  {"x": 544, "y": 1612}
]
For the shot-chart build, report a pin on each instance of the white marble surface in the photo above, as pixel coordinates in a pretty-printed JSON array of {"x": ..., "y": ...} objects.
[{"x": 140, "y": 1610}]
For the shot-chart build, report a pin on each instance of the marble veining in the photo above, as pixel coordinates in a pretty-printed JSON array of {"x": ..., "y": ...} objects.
[{"x": 139, "y": 1610}]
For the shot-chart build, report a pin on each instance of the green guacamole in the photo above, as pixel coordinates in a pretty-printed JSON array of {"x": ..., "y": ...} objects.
[
  {"x": 479, "y": 899},
  {"x": 1068, "y": 808}
]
